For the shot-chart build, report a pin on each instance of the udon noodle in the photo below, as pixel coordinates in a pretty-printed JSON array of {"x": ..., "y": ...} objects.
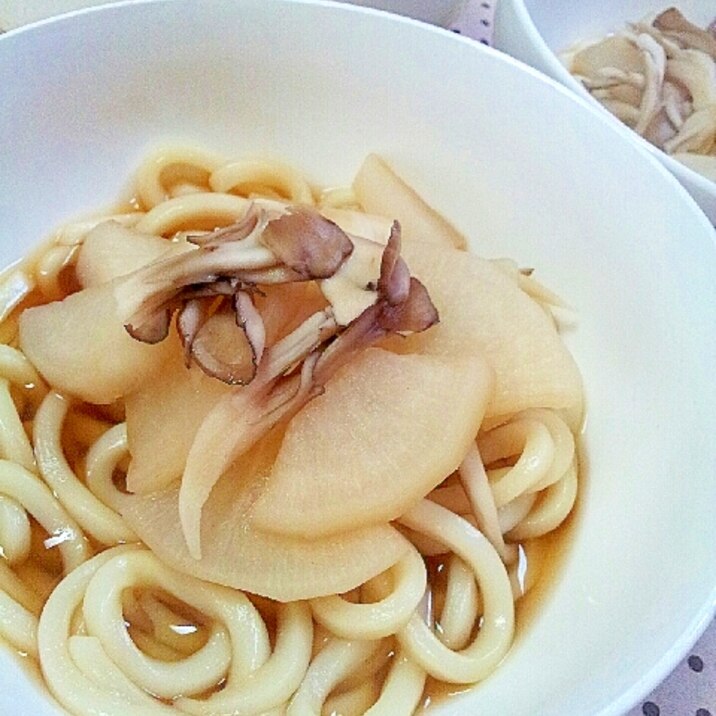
[{"x": 118, "y": 625}]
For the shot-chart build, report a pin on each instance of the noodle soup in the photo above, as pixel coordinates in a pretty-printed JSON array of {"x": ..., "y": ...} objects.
[{"x": 275, "y": 449}]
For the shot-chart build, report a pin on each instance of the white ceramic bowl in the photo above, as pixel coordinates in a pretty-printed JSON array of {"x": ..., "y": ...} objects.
[
  {"x": 525, "y": 169},
  {"x": 536, "y": 31},
  {"x": 15, "y": 14}
]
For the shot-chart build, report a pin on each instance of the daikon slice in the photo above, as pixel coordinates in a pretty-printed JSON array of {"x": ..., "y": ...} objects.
[
  {"x": 236, "y": 554},
  {"x": 111, "y": 250},
  {"x": 80, "y": 346},
  {"x": 162, "y": 420},
  {"x": 284, "y": 307},
  {"x": 359, "y": 223},
  {"x": 483, "y": 312},
  {"x": 381, "y": 191},
  {"x": 387, "y": 430}
]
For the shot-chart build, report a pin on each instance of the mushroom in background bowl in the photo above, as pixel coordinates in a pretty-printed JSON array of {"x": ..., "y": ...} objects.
[{"x": 651, "y": 65}]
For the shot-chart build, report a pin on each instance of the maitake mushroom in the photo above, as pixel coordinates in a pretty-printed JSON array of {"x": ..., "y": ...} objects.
[
  {"x": 659, "y": 78},
  {"x": 211, "y": 290}
]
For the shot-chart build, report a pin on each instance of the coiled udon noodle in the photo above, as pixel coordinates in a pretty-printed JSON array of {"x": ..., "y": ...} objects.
[{"x": 112, "y": 628}]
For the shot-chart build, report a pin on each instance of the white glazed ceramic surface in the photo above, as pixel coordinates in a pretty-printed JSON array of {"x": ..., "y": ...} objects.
[
  {"x": 536, "y": 31},
  {"x": 520, "y": 165},
  {"x": 14, "y": 13}
]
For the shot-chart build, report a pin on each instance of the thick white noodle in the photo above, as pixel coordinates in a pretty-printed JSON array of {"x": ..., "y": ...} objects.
[
  {"x": 92, "y": 660},
  {"x": 15, "y": 537},
  {"x": 511, "y": 514},
  {"x": 285, "y": 181},
  {"x": 402, "y": 690},
  {"x": 18, "y": 605},
  {"x": 460, "y": 611},
  {"x": 331, "y": 666},
  {"x": 494, "y": 637},
  {"x": 194, "y": 211},
  {"x": 274, "y": 682},
  {"x": 151, "y": 179},
  {"x": 105, "y": 525},
  {"x": 541, "y": 485},
  {"x": 49, "y": 267},
  {"x": 564, "y": 447},
  {"x": 14, "y": 443},
  {"x": 15, "y": 285},
  {"x": 380, "y": 618},
  {"x": 18, "y": 625},
  {"x": 102, "y": 460},
  {"x": 552, "y": 509},
  {"x": 15, "y": 370},
  {"x": 238, "y": 642},
  {"x": 29, "y": 491},
  {"x": 77, "y": 691},
  {"x": 531, "y": 440}
]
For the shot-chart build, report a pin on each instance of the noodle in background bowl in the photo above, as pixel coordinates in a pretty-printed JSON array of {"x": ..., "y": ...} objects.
[
  {"x": 524, "y": 169},
  {"x": 536, "y": 31}
]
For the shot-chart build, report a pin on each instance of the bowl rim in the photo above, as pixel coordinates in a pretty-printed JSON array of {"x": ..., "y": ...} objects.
[
  {"x": 562, "y": 74},
  {"x": 445, "y": 14},
  {"x": 707, "y": 612},
  {"x": 562, "y": 83}
]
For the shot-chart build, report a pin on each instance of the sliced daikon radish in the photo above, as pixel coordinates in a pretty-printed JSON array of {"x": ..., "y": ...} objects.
[
  {"x": 358, "y": 223},
  {"x": 386, "y": 431},
  {"x": 80, "y": 346},
  {"x": 483, "y": 312},
  {"x": 284, "y": 307},
  {"x": 238, "y": 555},
  {"x": 162, "y": 420},
  {"x": 381, "y": 191},
  {"x": 279, "y": 391}
]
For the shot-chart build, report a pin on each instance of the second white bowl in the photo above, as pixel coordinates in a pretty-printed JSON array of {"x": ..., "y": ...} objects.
[{"x": 535, "y": 31}]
